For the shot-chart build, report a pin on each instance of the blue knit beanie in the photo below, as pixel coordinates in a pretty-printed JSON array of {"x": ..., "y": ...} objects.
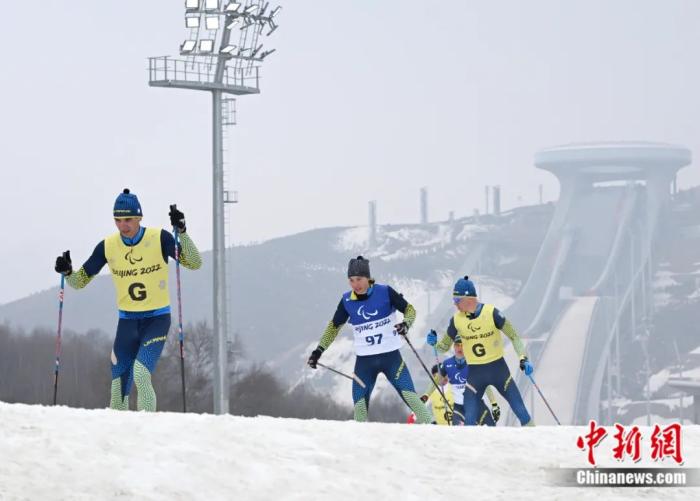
[
  {"x": 464, "y": 287},
  {"x": 127, "y": 205}
]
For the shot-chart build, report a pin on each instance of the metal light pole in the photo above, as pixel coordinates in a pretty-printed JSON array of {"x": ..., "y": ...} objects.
[{"x": 214, "y": 64}]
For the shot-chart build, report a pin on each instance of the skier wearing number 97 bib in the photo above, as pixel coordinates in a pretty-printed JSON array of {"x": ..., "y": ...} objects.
[
  {"x": 138, "y": 260},
  {"x": 371, "y": 310}
]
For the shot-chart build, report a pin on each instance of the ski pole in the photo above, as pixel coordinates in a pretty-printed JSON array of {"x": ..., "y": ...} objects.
[
  {"x": 544, "y": 400},
  {"x": 430, "y": 376},
  {"x": 181, "y": 335},
  {"x": 439, "y": 365},
  {"x": 58, "y": 335},
  {"x": 353, "y": 376}
]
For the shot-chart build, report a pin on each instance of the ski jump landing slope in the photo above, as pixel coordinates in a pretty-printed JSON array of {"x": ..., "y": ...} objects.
[
  {"x": 561, "y": 362},
  {"x": 61, "y": 453}
]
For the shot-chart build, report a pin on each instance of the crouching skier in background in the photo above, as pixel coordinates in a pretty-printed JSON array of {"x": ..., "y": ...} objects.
[
  {"x": 456, "y": 370},
  {"x": 138, "y": 260},
  {"x": 371, "y": 310},
  {"x": 479, "y": 325},
  {"x": 434, "y": 401}
]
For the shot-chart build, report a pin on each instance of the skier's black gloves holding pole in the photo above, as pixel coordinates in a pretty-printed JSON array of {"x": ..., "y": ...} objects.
[
  {"x": 315, "y": 355},
  {"x": 64, "y": 266},
  {"x": 495, "y": 412},
  {"x": 401, "y": 329},
  {"x": 177, "y": 219}
]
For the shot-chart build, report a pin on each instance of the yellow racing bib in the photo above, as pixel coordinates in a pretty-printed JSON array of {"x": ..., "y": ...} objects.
[
  {"x": 482, "y": 341},
  {"x": 140, "y": 275}
]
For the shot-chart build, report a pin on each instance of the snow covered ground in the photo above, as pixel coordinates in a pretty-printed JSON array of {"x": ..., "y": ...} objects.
[{"x": 64, "y": 453}]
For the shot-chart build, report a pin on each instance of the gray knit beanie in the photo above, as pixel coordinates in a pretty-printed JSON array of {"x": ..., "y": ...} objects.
[{"x": 358, "y": 267}]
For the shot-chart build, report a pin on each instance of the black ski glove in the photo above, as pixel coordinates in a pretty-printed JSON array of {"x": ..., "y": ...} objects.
[
  {"x": 177, "y": 219},
  {"x": 315, "y": 355},
  {"x": 495, "y": 412},
  {"x": 401, "y": 329},
  {"x": 64, "y": 266}
]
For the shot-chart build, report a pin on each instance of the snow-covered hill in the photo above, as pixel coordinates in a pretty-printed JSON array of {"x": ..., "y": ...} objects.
[{"x": 63, "y": 453}]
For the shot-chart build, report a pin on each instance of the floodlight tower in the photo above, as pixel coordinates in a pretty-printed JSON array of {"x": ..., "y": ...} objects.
[{"x": 214, "y": 61}]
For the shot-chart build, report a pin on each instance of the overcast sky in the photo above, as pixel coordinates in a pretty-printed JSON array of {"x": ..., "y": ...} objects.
[{"x": 362, "y": 100}]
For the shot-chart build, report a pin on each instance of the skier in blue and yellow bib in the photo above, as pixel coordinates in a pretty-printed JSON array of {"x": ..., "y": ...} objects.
[
  {"x": 479, "y": 326},
  {"x": 456, "y": 370},
  {"x": 138, "y": 260},
  {"x": 371, "y": 310}
]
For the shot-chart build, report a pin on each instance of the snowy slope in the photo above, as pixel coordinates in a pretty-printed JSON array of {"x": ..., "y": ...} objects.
[
  {"x": 559, "y": 367},
  {"x": 64, "y": 453}
]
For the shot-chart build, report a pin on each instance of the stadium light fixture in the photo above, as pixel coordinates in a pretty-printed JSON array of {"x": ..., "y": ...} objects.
[
  {"x": 266, "y": 53},
  {"x": 188, "y": 46},
  {"x": 206, "y": 46},
  {"x": 219, "y": 63},
  {"x": 273, "y": 27},
  {"x": 212, "y": 22}
]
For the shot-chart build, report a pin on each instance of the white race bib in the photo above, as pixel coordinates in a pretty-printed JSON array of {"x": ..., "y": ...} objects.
[
  {"x": 376, "y": 336},
  {"x": 458, "y": 392}
]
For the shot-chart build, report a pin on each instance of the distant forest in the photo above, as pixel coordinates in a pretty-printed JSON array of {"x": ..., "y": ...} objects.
[{"x": 27, "y": 362}]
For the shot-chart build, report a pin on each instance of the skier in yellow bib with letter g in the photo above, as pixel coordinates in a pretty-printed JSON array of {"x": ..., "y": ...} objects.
[
  {"x": 479, "y": 326},
  {"x": 138, "y": 260}
]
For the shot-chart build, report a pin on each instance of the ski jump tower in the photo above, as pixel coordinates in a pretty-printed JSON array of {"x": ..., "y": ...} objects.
[
  {"x": 592, "y": 276},
  {"x": 221, "y": 55}
]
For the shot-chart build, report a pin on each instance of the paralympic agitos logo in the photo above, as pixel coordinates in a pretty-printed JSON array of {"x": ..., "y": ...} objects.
[
  {"x": 366, "y": 314},
  {"x": 131, "y": 258}
]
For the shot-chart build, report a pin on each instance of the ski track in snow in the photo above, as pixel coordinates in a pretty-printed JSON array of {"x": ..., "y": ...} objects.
[{"x": 64, "y": 453}]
